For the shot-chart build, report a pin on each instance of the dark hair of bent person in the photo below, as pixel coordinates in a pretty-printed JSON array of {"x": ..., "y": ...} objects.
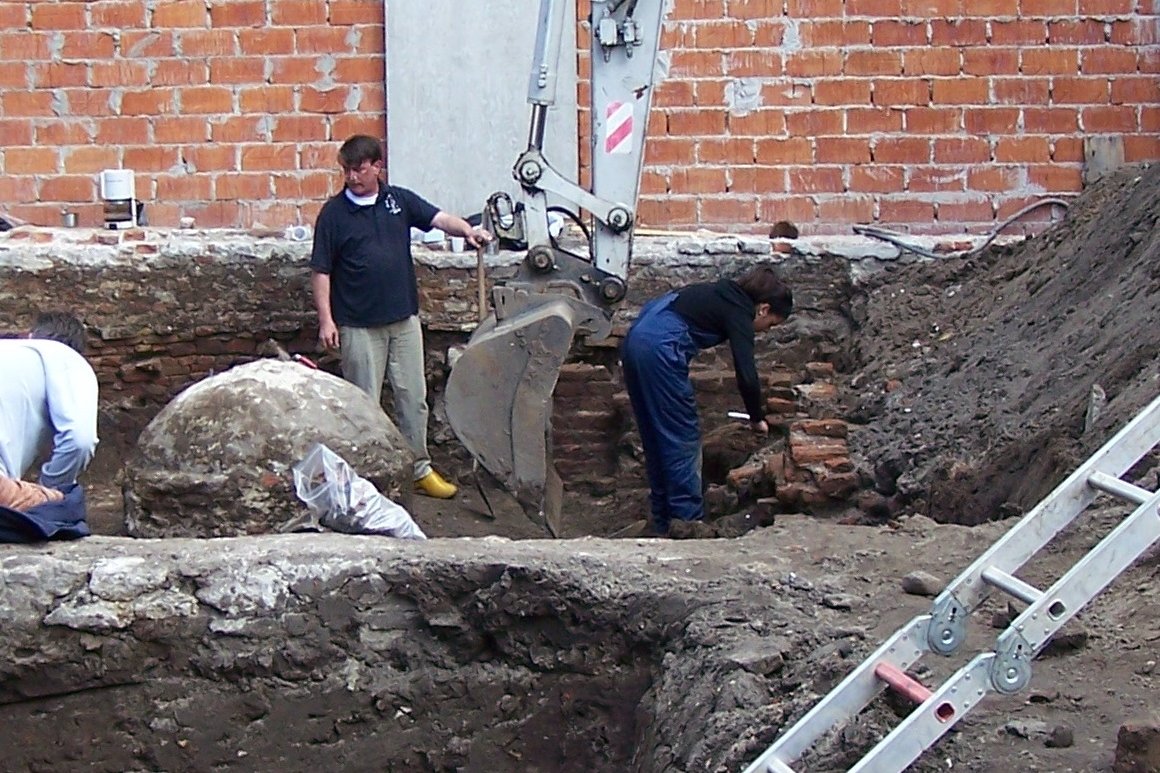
[
  {"x": 60, "y": 326},
  {"x": 763, "y": 285},
  {"x": 360, "y": 148}
]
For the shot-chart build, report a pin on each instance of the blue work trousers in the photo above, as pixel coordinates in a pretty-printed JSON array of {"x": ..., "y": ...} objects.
[{"x": 656, "y": 354}]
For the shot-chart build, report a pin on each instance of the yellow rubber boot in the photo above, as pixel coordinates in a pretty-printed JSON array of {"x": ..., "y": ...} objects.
[{"x": 433, "y": 485}]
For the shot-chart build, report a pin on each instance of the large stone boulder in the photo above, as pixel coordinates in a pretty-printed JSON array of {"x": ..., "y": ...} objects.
[{"x": 217, "y": 460}]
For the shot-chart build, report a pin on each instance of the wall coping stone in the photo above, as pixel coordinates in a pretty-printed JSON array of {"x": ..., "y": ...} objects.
[{"x": 35, "y": 248}]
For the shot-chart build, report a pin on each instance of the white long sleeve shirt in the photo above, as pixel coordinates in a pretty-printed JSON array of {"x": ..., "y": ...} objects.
[{"x": 48, "y": 397}]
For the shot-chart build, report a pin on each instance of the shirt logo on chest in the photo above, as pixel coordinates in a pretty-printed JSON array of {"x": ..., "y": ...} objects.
[{"x": 391, "y": 205}]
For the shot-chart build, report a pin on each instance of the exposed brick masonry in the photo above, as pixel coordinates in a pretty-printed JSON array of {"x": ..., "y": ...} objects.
[{"x": 935, "y": 115}]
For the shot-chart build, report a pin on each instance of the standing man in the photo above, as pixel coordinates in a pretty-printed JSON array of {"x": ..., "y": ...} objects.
[
  {"x": 367, "y": 295},
  {"x": 48, "y": 398},
  {"x": 656, "y": 354}
]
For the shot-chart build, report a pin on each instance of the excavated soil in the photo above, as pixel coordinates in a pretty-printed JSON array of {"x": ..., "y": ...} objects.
[{"x": 973, "y": 386}]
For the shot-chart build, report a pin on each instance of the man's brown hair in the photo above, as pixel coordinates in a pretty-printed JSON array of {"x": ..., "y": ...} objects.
[{"x": 763, "y": 285}]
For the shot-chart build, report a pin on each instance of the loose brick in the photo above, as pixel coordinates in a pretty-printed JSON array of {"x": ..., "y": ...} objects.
[{"x": 833, "y": 428}]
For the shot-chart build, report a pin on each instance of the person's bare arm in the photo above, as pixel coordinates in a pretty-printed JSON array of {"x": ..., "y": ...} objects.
[
  {"x": 457, "y": 226},
  {"x": 327, "y": 330}
]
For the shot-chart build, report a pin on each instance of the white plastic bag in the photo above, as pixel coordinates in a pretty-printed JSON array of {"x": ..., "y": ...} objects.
[{"x": 346, "y": 502}]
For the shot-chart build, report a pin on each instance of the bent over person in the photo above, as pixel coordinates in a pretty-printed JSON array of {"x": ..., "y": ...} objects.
[
  {"x": 48, "y": 400},
  {"x": 367, "y": 295},
  {"x": 656, "y": 354}
]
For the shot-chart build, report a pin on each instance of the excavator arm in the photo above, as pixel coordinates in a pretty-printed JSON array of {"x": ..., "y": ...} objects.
[{"x": 499, "y": 393}]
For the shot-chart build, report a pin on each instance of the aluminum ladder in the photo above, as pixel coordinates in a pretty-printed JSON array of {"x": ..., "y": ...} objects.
[{"x": 1007, "y": 668}]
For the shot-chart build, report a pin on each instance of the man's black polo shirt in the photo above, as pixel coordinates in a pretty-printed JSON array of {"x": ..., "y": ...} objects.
[{"x": 367, "y": 253}]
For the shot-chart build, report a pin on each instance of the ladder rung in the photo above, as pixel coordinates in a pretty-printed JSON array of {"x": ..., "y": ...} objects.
[
  {"x": 1011, "y": 585},
  {"x": 1119, "y": 488},
  {"x": 777, "y": 766},
  {"x": 898, "y": 680}
]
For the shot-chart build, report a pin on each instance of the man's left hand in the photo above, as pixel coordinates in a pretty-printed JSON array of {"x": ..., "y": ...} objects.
[{"x": 478, "y": 237}]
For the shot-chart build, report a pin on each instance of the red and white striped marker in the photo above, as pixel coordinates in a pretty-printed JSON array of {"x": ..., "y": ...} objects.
[{"x": 618, "y": 127}]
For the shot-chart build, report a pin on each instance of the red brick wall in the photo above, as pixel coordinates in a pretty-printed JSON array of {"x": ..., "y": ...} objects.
[{"x": 935, "y": 115}]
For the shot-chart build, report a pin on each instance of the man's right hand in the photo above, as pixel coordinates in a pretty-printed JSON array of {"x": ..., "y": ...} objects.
[{"x": 328, "y": 335}]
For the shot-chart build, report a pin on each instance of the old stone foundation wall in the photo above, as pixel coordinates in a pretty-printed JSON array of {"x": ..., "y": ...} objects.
[{"x": 165, "y": 308}]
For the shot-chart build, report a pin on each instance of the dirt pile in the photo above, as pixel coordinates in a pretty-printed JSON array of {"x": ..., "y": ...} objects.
[{"x": 975, "y": 376}]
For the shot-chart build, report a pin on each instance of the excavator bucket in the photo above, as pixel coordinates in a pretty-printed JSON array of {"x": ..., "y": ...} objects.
[{"x": 499, "y": 399}]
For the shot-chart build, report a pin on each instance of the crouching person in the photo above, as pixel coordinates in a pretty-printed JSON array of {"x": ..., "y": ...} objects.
[
  {"x": 656, "y": 354},
  {"x": 48, "y": 403}
]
